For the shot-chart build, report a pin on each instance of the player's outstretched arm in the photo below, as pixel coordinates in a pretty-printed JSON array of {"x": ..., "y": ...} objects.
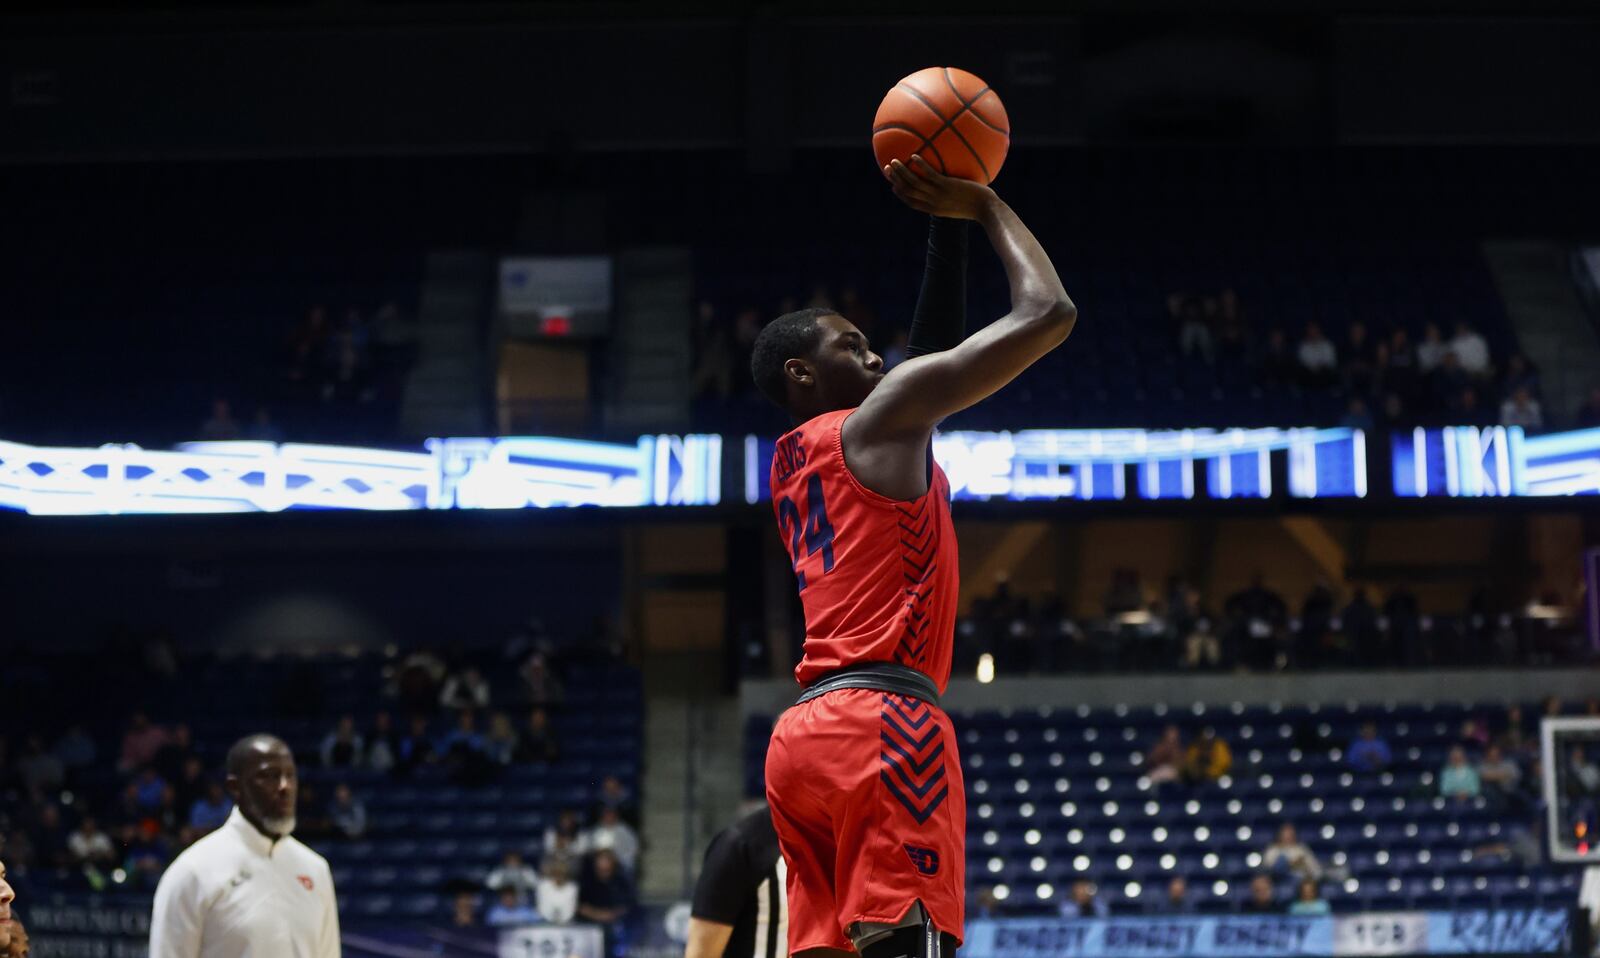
[{"x": 920, "y": 392}]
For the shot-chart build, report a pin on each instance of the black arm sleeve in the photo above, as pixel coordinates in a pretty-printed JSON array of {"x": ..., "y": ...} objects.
[
  {"x": 727, "y": 882},
  {"x": 940, "y": 320}
]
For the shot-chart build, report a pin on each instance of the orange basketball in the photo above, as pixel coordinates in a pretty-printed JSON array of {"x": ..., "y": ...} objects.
[{"x": 948, "y": 116}]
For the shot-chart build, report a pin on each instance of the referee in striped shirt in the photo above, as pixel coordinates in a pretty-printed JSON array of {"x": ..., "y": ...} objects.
[{"x": 739, "y": 906}]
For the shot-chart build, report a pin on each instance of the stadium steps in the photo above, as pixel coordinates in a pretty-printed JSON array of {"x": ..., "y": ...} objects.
[
  {"x": 444, "y": 394},
  {"x": 693, "y": 776},
  {"x": 650, "y": 355},
  {"x": 1535, "y": 281}
]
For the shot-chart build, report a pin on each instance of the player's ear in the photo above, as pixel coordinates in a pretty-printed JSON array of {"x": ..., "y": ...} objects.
[{"x": 799, "y": 372}]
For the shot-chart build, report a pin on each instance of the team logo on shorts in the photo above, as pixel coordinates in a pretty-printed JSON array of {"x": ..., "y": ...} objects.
[{"x": 926, "y": 859}]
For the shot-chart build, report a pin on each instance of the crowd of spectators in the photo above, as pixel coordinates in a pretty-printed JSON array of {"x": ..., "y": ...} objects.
[
  {"x": 1445, "y": 377},
  {"x": 79, "y": 812},
  {"x": 1387, "y": 377},
  {"x": 332, "y": 380},
  {"x": 1496, "y": 758},
  {"x": 1254, "y": 629}
]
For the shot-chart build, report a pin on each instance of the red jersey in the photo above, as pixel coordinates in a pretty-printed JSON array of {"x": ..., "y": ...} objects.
[{"x": 878, "y": 577}]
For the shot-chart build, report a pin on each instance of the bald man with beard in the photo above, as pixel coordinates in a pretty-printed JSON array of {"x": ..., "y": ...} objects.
[{"x": 249, "y": 889}]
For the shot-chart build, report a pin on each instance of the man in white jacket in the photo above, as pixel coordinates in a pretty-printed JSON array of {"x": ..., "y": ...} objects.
[{"x": 249, "y": 889}]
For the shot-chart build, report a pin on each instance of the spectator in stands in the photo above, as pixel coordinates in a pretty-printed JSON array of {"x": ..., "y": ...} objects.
[
  {"x": 500, "y": 744},
  {"x": 605, "y": 895},
  {"x": 76, "y": 750},
  {"x": 1399, "y": 364},
  {"x": 1370, "y": 753},
  {"x": 1515, "y": 739},
  {"x": 1360, "y": 623},
  {"x": 1164, "y": 763},
  {"x": 417, "y": 747},
  {"x": 1201, "y": 647},
  {"x": 1471, "y": 351},
  {"x": 1519, "y": 374},
  {"x": 1194, "y": 332},
  {"x": 612, "y": 833},
  {"x": 1288, "y": 853},
  {"x": 343, "y": 747},
  {"x": 140, "y": 743},
  {"x": 1278, "y": 363},
  {"x": 538, "y": 743},
  {"x": 1583, "y": 775},
  {"x": 347, "y": 814},
  {"x": 543, "y": 688},
  {"x": 262, "y": 428},
  {"x": 1258, "y": 622},
  {"x": 557, "y": 894},
  {"x": 1309, "y": 900},
  {"x": 1207, "y": 759},
  {"x": 147, "y": 790},
  {"x": 1521, "y": 409},
  {"x": 50, "y": 837},
  {"x": 383, "y": 744},
  {"x": 39, "y": 768},
  {"x": 146, "y": 853},
  {"x": 220, "y": 426},
  {"x": 1319, "y": 360},
  {"x": 1432, "y": 350},
  {"x": 513, "y": 874},
  {"x": 89, "y": 846},
  {"x": 614, "y": 794},
  {"x": 1588, "y": 414},
  {"x": 174, "y": 753},
  {"x": 190, "y": 786},
  {"x": 509, "y": 910},
  {"x": 417, "y": 681},
  {"x": 1445, "y": 384},
  {"x": 1177, "y": 901},
  {"x": 1263, "y": 898},
  {"x": 466, "y": 689},
  {"x": 1469, "y": 409},
  {"x": 1360, "y": 359},
  {"x": 566, "y": 838},
  {"x": 1124, "y": 594},
  {"x": 1459, "y": 780},
  {"x": 1084, "y": 902},
  {"x": 210, "y": 810},
  {"x": 1357, "y": 415},
  {"x": 464, "y": 910},
  {"x": 1499, "y": 777}
]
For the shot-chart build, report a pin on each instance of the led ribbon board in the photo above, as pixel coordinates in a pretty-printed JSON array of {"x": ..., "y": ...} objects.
[
  {"x": 1099, "y": 464},
  {"x": 1466, "y": 461},
  {"x": 505, "y": 473}
]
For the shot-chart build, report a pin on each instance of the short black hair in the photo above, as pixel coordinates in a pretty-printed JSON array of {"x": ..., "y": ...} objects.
[{"x": 787, "y": 337}]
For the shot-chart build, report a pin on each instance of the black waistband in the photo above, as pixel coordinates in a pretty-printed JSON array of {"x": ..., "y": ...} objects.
[{"x": 882, "y": 676}]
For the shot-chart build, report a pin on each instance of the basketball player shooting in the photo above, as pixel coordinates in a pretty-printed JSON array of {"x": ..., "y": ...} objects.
[{"x": 863, "y": 775}]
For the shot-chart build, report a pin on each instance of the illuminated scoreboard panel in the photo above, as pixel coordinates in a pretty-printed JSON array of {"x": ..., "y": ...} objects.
[
  {"x": 1112, "y": 464},
  {"x": 1469, "y": 462},
  {"x": 517, "y": 472}
]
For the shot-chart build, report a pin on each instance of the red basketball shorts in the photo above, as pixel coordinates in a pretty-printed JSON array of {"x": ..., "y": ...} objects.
[{"x": 871, "y": 813}]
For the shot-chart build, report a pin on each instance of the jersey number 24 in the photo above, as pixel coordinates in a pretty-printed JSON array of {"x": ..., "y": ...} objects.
[{"x": 815, "y": 529}]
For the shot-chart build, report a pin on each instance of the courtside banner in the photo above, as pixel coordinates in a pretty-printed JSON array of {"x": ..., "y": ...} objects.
[{"x": 1401, "y": 933}]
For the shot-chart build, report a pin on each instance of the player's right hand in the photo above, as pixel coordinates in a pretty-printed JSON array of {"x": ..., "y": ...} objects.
[{"x": 926, "y": 190}]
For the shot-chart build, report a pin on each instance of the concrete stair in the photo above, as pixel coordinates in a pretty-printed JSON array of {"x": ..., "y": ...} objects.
[
  {"x": 445, "y": 392},
  {"x": 1534, "y": 278}
]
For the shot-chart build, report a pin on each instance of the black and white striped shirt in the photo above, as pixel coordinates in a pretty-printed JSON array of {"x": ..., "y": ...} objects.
[{"x": 742, "y": 884}]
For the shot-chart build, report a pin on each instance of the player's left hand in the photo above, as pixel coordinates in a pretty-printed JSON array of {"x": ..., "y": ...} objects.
[{"x": 926, "y": 190}]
